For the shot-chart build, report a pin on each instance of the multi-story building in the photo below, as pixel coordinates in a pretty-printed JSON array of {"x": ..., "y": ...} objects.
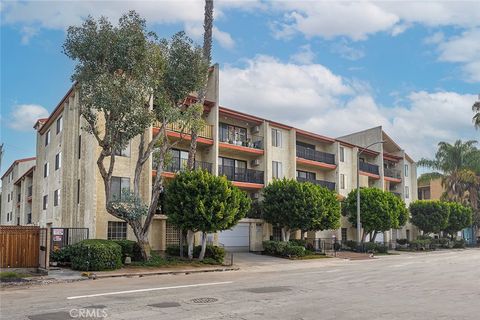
[
  {"x": 17, "y": 192},
  {"x": 249, "y": 150},
  {"x": 430, "y": 190}
]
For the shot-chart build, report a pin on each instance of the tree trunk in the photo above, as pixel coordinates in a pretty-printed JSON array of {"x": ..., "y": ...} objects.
[
  {"x": 204, "y": 246},
  {"x": 372, "y": 239},
  {"x": 190, "y": 238},
  {"x": 364, "y": 235},
  {"x": 181, "y": 242},
  {"x": 145, "y": 249},
  {"x": 285, "y": 234}
]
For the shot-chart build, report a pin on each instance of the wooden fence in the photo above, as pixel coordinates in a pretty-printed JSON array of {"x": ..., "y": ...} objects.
[{"x": 19, "y": 247}]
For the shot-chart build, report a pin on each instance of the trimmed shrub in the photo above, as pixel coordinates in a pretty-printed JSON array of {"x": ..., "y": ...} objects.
[
  {"x": 381, "y": 248},
  {"x": 424, "y": 237},
  {"x": 129, "y": 248},
  {"x": 63, "y": 255},
  {"x": 213, "y": 253},
  {"x": 283, "y": 249},
  {"x": 298, "y": 242},
  {"x": 459, "y": 244},
  {"x": 369, "y": 246},
  {"x": 402, "y": 242},
  {"x": 351, "y": 245},
  {"x": 420, "y": 245},
  {"x": 294, "y": 251},
  {"x": 96, "y": 255},
  {"x": 442, "y": 243}
]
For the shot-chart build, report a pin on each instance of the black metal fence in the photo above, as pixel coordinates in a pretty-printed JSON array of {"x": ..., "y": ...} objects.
[
  {"x": 319, "y": 156},
  {"x": 61, "y": 237},
  {"x": 369, "y": 167},
  {"x": 241, "y": 174},
  {"x": 322, "y": 183}
]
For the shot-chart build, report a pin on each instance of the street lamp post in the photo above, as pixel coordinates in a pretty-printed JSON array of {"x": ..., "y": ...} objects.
[{"x": 359, "y": 224}]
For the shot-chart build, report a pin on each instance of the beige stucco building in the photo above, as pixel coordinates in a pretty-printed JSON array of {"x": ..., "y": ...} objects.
[
  {"x": 17, "y": 193},
  {"x": 249, "y": 150}
]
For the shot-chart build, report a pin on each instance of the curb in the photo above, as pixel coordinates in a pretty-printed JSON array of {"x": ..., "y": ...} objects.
[{"x": 157, "y": 273}]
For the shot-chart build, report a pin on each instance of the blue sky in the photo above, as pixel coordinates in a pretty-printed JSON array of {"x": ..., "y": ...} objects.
[{"x": 329, "y": 67}]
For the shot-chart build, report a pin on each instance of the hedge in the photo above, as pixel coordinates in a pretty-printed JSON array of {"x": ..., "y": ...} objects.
[
  {"x": 131, "y": 249},
  {"x": 96, "y": 255},
  {"x": 283, "y": 249},
  {"x": 216, "y": 254},
  {"x": 63, "y": 255}
]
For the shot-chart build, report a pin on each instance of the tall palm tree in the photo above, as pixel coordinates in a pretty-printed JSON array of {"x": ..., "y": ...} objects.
[{"x": 476, "y": 116}]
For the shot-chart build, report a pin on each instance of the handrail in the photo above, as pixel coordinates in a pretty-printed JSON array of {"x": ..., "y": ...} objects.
[
  {"x": 311, "y": 154},
  {"x": 241, "y": 174}
]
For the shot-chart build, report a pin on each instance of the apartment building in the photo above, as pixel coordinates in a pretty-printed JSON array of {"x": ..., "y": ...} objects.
[
  {"x": 250, "y": 151},
  {"x": 430, "y": 190},
  {"x": 17, "y": 184}
]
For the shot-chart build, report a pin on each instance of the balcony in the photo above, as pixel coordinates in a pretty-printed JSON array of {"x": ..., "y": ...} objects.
[
  {"x": 241, "y": 174},
  {"x": 392, "y": 174},
  {"x": 248, "y": 145},
  {"x": 369, "y": 168},
  {"x": 327, "y": 184},
  {"x": 177, "y": 165},
  {"x": 180, "y": 130},
  {"x": 309, "y": 156}
]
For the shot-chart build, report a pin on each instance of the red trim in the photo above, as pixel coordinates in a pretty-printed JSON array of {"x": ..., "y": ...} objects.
[
  {"x": 391, "y": 157},
  {"x": 280, "y": 125},
  {"x": 164, "y": 174},
  {"x": 25, "y": 174},
  {"x": 392, "y": 179},
  {"x": 240, "y": 148},
  {"x": 17, "y": 162},
  {"x": 29, "y": 199},
  {"x": 239, "y": 115},
  {"x": 371, "y": 175},
  {"x": 58, "y": 109},
  {"x": 316, "y": 163},
  {"x": 315, "y": 136},
  {"x": 247, "y": 185}
]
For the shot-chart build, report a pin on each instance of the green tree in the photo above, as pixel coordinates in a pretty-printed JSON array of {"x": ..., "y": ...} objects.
[
  {"x": 476, "y": 111},
  {"x": 430, "y": 216},
  {"x": 300, "y": 206},
  {"x": 460, "y": 217},
  {"x": 380, "y": 211},
  {"x": 199, "y": 201},
  {"x": 127, "y": 79}
]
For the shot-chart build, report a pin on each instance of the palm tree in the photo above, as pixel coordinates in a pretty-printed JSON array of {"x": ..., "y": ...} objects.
[{"x": 476, "y": 110}]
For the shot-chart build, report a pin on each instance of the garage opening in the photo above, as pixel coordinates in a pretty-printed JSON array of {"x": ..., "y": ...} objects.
[{"x": 236, "y": 239}]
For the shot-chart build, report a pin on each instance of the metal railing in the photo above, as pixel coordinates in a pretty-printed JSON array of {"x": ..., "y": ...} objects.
[
  {"x": 392, "y": 173},
  {"x": 206, "y": 130},
  {"x": 241, "y": 174},
  {"x": 327, "y": 184},
  {"x": 251, "y": 141},
  {"x": 178, "y": 164},
  {"x": 310, "y": 154},
  {"x": 368, "y": 167}
]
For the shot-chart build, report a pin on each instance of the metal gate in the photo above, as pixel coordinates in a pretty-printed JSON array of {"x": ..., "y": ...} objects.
[
  {"x": 62, "y": 237},
  {"x": 43, "y": 249}
]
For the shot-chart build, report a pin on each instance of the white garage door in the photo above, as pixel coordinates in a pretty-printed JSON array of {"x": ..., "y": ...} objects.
[{"x": 236, "y": 239}]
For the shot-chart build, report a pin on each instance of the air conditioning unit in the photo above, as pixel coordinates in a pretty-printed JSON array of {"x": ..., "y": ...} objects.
[
  {"x": 255, "y": 163},
  {"x": 256, "y": 129},
  {"x": 255, "y": 195}
]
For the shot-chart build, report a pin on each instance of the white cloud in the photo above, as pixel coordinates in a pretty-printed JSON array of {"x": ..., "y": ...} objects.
[
  {"x": 347, "y": 51},
  {"x": 27, "y": 34},
  {"x": 24, "y": 116},
  {"x": 314, "y": 98},
  {"x": 304, "y": 56},
  {"x": 223, "y": 38}
]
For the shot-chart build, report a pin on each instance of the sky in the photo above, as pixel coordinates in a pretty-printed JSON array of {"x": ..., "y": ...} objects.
[{"x": 331, "y": 67}]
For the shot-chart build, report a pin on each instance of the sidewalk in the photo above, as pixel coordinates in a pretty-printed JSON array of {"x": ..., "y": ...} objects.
[{"x": 140, "y": 272}]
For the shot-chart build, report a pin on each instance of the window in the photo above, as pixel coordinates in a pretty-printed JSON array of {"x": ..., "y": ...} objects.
[
  {"x": 232, "y": 168},
  {"x": 56, "y": 197},
  {"x": 406, "y": 170},
  {"x": 79, "y": 147},
  {"x": 47, "y": 138},
  {"x": 45, "y": 202},
  {"x": 232, "y": 134},
  {"x": 29, "y": 218},
  {"x": 408, "y": 234},
  {"x": 344, "y": 234},
  {"x": 277, "y": 172},
  {"x": 125, "y": 152},
  {"x": 342, "y": 154},
  {"x": 407, "y": 192},
  {"x": 58, "y": 161},
  {"x": 342, "y": 181},
  {"x": 305, "y": 175},
  {"x": 179, "y": 160},
  {"x": 117, "y": 230},
  {"x": 276, "y": 138},
  {"x": 18, "y": 197},
  {"x": 172, "y": 234},
  {"x": 118, "y": 184},
  {"x": 276, "y": 233},
  {"x": 8, "y": 197},
  {"x": 59, "y": 124},
  {"x": 78, "y": 191},
  {"x": 45, "y": 170}
]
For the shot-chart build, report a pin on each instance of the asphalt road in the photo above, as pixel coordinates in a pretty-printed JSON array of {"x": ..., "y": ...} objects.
[{"x": 439, "y": 285}]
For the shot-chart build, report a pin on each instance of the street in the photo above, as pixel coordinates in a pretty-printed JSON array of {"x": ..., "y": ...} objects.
[{"x": 436, "y": 285}]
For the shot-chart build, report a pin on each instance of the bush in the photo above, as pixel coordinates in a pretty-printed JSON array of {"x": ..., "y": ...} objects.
[
  {"x": 424, "y": 237},
  {"x": 96, "y": 255},
  {"x": 402, "y": 242},
  {"x": 351, "y": 244},
  {"x": 370, "y": 246},
  {"x": 63, "y": 255},
  {"x": 441, "y": 243},
  {"x": 420, "y": 244},
  {"x": 212, "y": 253},
  {"x": 381, "y": 248},
  {"x": 459, "y": 244},
  {"x": 298, "y": 242},
  {"x": 129, "y": 248},
  {"x": 283, "y": 249}
]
